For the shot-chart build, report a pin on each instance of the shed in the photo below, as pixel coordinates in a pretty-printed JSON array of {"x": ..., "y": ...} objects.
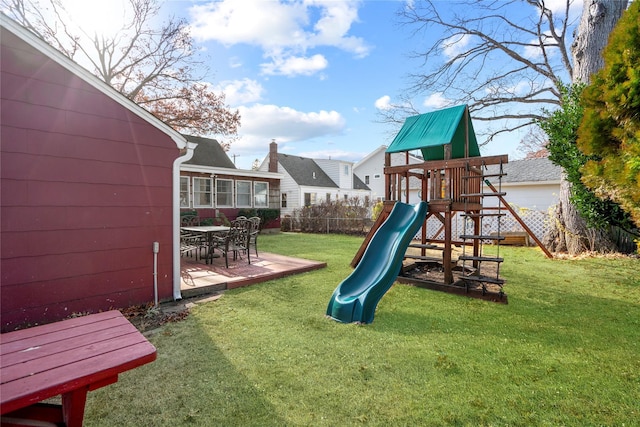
[
  {"x": 439, "y": 135},
  {"x": 87, "y": 187}
]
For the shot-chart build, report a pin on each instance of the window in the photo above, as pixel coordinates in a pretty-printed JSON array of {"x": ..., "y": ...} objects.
[
  {"x": 283, "y": 202},
  {"x": 243, "y": 194},
  {"x": 376, "y": 176},
  {"x": 328, "y": 197},
  {"x": 346, "y": 197},
  {"x": 185, "y": 192},
  {"x": 202, "y": 193},
  {"x": 260, "y": 194},
  {"x": 224, "y": 192},
  {"x": 346, "y": 169},
  {"x": 366, "y": 179},
  {"x": 309, "y": 199}
]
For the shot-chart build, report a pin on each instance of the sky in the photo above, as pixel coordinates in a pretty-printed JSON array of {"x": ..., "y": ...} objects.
[{"x": 311, "y": 74}]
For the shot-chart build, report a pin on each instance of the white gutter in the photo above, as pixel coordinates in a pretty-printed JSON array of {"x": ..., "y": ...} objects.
[
  {"x": 233, "y": 172},
  {"x": 190, "y": 147}
]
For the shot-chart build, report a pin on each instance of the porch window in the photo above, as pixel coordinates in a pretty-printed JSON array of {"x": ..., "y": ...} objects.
[
  {"x": 202, "y": 196},
  {"x": 185, "y": 192},
  {"x": 261, "y": 192},
  {"x": 243, "y": 194},
  {"x": 224, "y": 193}
]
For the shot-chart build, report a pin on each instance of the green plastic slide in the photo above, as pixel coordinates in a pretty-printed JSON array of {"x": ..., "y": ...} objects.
[{"x": 356, "y": 298}]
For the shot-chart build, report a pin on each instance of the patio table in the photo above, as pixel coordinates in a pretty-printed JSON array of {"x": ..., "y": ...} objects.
[
  {"x": 67, "y": 358},
  {"x": 208, "y": 231}
]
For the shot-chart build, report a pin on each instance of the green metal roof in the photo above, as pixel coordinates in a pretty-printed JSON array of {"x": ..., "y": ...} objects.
[{"x": 430, "y": 132}]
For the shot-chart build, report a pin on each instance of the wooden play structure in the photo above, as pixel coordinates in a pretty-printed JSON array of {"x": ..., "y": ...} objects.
[{"x": 455, "y": 182}]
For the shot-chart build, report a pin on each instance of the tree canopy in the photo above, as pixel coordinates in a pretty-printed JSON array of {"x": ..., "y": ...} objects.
[
  {"x": 561, "y": 127},
  {"x": 610, "y": 129},
  {"x": 153, "y": 64}
]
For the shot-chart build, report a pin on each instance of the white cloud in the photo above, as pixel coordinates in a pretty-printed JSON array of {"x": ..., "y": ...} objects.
[
  {"x": 293, "y": 66},
  {"x": 436, "y": 101},
  {"x": 261, "y": 123},
  {"x": 239, "y": 92},
  {"x": 455, "y": 45},
  {"x": 558, "y": 6},
  {"x": 281, "y": 29},
  {"x": 287, "y": 124},
  {"x": 383, "y": 103},
  {"x": 350, "y": 156}
]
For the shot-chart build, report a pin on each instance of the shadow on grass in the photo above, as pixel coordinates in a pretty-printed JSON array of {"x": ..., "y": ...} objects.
[{"x": 192, "y": 382}]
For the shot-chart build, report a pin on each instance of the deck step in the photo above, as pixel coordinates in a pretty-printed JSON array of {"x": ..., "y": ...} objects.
[
  {"x": 482, "y": 215},
  {"x": 481, "y": 237},
  {"x": 485, "y": 279},
  {"x": 489, "y": 175},
  {"x": 426, "y": 246},
  {"x": 424, "y": 258},
  {"x": 494, "y": 194},
  {"x": 480, "y": 258}
]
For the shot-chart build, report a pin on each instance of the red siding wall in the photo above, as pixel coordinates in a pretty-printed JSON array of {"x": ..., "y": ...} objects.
[{"x": 85, "y": 191}]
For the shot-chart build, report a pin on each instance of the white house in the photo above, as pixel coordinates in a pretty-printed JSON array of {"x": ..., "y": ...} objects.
[
  {"x": 530, "y": 184},
  {"x": 371, "y": 171},
  {"x": 307, "y": 182}
]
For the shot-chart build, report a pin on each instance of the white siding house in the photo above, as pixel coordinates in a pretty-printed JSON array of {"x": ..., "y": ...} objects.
[
  {"x": 311, "y": 181},
  {"x": 371, "y": 171}
]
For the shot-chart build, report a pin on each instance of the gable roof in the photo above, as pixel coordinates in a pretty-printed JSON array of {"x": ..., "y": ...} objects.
[
  {"x": 529, "y": 170},
  {"x": 8, "y": 24},
  {"x": 209, "y": 153},
  {"x": 430, "y": 132},
  {"x": 305, "y": 171}
]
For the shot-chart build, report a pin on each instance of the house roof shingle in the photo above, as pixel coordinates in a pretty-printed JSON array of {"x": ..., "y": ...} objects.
[
  {"x": 305, "y": 171},
  {"x": 529, "y": 170},
  {"x": 209, "y": 153}
]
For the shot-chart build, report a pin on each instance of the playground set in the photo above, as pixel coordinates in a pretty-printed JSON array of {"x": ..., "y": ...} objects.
[{"x": 455, "y": 181}]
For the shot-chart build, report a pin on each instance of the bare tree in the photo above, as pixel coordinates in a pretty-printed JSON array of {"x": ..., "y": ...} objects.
[
  {"x": 154, "y": 66},
  {"x": 505, "y": 59},
  {"x": 508, "y": 60}
]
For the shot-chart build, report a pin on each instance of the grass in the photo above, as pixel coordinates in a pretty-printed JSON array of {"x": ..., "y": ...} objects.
[{"x": 564, "y": 351}]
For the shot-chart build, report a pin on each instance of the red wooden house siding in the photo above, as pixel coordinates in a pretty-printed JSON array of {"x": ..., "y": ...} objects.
[{"x": 86, "y": 188}]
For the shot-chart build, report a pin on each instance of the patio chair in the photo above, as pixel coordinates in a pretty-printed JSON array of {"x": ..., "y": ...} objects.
[
  {"x": 189, "y": 243},
  {"x": 234, "y": 241},
  {"x": 189, "y": 220},
  {"x": 253, "y": 234}
]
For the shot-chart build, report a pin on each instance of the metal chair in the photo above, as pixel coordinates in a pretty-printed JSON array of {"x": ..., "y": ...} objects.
[
  {"x": 234, "y": 241},
  {"x": 253, "y": 233}
]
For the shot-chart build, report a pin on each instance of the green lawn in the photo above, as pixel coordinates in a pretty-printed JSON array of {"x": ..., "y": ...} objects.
[{"x": 564, "y": 351}]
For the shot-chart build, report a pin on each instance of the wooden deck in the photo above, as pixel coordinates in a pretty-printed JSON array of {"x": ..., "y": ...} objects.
[{"x": 199, "y": 278}]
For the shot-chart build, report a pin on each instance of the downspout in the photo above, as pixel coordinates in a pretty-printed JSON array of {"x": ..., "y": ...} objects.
[{"x": 187, "y": 155}]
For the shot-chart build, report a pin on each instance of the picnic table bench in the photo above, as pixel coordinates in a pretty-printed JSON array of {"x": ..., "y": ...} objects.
[{"x": 67, "y": 358}]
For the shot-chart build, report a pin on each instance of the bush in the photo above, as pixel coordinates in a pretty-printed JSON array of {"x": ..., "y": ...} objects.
[{"x": 350, "y": 216}]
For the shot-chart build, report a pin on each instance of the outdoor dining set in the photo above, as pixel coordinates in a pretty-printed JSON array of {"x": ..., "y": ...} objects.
[{"x": 212, "y": 241}]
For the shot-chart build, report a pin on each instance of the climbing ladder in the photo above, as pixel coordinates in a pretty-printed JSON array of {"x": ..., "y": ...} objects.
[{"x": 475, "y": 264}]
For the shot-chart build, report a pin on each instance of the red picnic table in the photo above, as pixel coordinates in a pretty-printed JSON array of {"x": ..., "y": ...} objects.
[{"x": 67, "y": 358}]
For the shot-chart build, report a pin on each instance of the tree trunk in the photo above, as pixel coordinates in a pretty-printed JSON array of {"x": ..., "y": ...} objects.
[
  {"x": 569, "y": 232},
  {"x": 597, "y": 20}
]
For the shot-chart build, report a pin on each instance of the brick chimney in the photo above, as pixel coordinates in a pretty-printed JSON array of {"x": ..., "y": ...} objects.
[{"x": 273, "y": 156}]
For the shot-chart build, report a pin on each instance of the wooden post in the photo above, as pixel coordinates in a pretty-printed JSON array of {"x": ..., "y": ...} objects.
[
  {"x": 446, "y": 255},
  {"x": 387, "y": 180}
]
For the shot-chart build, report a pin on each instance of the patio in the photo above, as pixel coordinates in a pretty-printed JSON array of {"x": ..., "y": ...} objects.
[{"x": 198, "y": 278}]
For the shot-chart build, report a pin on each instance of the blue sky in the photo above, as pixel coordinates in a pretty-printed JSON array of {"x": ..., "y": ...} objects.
[
  {"x": 308, "y": 75},
  {"x": 311, "y": 74}
]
